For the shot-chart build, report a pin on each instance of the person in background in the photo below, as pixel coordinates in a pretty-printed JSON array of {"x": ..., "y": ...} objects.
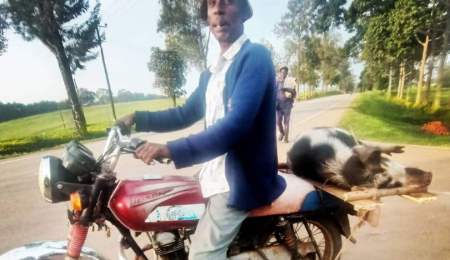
[
  {"x": 285, "y": 102},
  {"x": 236, "y": 99}
]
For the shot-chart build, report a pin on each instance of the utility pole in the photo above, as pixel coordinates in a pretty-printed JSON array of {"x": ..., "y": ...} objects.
[{"x": 106, "y": 75}]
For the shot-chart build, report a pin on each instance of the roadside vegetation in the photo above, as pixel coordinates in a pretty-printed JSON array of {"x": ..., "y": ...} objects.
[
  {"x": 375, "y": 117},
  {"x": 46, "y": 130}
]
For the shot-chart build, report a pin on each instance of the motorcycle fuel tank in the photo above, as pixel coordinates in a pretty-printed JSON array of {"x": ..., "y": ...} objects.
[{"x": 157, "y": 203}]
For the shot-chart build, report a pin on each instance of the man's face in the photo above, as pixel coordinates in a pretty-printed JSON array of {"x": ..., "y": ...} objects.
[
  {"x": 283, "y": 74},
  {"x": 224, "y": 20}
]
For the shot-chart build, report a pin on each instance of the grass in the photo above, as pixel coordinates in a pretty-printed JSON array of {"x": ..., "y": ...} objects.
[
  {"x": 375, "y": 117},
  {"x": 46, "y": 130}
]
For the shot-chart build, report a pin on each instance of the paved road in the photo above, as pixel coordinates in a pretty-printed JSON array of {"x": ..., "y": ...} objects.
[{"x": 407, "y": 230}]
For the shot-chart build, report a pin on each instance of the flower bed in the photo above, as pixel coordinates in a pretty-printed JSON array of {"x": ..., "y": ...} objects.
[{"x": 435, "y": 128}]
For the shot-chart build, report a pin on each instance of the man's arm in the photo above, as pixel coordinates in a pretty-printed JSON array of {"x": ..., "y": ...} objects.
[
  {"x": 251, "y": 87},
  {"x": 175, "y": 118}
]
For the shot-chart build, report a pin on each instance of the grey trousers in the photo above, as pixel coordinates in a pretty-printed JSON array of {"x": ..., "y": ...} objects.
[{"x": 216, "y": 229}]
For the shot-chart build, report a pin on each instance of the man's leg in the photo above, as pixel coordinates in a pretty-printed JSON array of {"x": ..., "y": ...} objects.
[
  {"x": 280, "y": 123},
  {"x": 216, "y": 229},
  {"x": 287, "y": 119}
]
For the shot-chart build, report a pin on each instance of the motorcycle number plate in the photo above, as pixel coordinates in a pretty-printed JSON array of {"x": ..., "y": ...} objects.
[{"x": 176, "y": 213}]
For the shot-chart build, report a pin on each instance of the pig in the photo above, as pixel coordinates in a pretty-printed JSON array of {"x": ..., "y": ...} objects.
[{"x": 334, "y": 156}]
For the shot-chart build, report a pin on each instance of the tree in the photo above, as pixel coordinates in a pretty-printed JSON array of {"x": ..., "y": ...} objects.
[
  {"x": 305, "y": 18},
  {"x": 3, "y": 26},
  {"x": 102, "y": 95},
  {"x": 169, "y": 68},
  {"x": 67, "y": 29},
  {"x": 87, "y": 97},
  {"x": 441, "y": 81},
  {"x": 189, "y": 35},
  {"x": 304, "y": 21}
]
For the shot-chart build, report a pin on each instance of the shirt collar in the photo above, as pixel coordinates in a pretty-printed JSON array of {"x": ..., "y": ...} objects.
[
  {"x": 235, "y": 47},
  {"x": 229, "y": 54}
]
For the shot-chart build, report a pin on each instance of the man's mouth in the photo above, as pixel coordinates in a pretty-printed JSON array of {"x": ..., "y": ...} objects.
[{"x": 221, "y": 26}]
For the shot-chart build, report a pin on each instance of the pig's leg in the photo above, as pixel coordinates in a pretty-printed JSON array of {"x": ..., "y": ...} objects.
[{"x": 391, "y": 149}]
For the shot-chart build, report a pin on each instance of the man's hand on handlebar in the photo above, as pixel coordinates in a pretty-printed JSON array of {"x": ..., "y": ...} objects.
[
  {"x": 148, "y": 152},
  {"x": 125, "y": 123}
]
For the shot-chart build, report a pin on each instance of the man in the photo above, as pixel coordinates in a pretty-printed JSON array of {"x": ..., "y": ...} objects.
[
  {"x": 285, "y": 101},
  {"x": 236, "y": 98}
]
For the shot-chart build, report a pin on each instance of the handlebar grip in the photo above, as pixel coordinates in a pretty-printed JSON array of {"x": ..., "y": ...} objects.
[{"x": 135, "y": 143}]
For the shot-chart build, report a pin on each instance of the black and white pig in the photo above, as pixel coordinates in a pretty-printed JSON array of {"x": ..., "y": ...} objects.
[{"x": 333, "y": 155}]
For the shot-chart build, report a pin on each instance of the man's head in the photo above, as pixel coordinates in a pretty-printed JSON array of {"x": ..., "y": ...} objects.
[
  {"x": 283, "y": 72},
  {"x": 226, "y": 18}
]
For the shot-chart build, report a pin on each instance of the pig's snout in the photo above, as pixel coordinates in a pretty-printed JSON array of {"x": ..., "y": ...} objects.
[{"x": 416, "y": 176}]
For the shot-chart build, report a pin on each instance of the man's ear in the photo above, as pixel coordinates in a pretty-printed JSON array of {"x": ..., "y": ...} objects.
[{"x": 367, "y": 154}]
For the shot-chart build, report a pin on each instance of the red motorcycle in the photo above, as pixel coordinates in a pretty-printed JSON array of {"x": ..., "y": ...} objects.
[{"x": 167, "y": 209}]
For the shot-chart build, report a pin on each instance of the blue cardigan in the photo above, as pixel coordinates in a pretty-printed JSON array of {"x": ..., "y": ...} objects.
[{"x": 246, "y": 132}]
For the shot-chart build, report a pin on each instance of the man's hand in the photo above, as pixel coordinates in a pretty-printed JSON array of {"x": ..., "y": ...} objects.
[
  {"x": 125, "y": 123},
  {"x": 148, "y": 152}
]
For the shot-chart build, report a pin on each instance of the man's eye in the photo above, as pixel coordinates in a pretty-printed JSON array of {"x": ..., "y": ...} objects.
[{"x": 211, "y": 3}]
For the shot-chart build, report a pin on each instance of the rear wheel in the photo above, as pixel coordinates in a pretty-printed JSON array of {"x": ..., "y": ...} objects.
[{"x": 324, "y": 232}]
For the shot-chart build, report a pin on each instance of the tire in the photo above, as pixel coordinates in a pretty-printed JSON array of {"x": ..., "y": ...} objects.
[{"x": 325, "y": 233}]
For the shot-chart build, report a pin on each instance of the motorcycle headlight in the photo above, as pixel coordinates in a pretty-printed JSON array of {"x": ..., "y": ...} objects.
[{"x": 51, "y": 171}]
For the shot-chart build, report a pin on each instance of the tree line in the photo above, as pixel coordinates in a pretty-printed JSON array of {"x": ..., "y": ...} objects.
[
  {"x": 10, "y": 111},
  {"x": 398, "y": 40}
]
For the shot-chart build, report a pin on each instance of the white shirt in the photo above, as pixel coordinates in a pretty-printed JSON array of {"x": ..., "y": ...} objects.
[{"x": 212, "y": 174}]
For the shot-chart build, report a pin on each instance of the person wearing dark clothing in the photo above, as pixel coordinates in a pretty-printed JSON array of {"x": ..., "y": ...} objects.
[{"x": 285, "y": 102}]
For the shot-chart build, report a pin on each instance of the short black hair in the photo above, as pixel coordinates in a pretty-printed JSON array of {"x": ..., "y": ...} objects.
[{"x": 284, "y": 68}]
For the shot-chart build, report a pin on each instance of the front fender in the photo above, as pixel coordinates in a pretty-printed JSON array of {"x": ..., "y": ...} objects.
[{"x": 47, "y": 250}]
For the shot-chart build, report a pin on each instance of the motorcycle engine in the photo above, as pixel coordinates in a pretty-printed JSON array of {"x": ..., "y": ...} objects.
[{"x": 170, "y": 245}]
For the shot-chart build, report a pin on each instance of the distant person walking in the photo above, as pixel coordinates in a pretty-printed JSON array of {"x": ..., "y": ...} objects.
[{"x": 285, "y": 101}]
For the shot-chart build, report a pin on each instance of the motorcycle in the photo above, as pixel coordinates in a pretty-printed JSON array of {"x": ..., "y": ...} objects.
[{"x": 166, "y": 209}]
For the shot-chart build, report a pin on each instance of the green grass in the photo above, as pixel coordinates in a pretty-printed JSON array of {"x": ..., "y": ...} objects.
[
  {"x": 50, "y": 129},
  {"x": 375, "y": 117}
]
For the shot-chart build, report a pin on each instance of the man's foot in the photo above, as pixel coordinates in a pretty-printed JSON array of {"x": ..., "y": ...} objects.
[
  {"x": 286, "y": 140},
  {"x": 280, "y": 137}
]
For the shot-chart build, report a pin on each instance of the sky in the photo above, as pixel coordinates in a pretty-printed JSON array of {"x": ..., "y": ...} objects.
[{"x": 29, "y": 71}]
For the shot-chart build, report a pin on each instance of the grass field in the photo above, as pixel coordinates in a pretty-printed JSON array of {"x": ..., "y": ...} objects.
[
  {"x": 375, "y": 117},
  {"x": 50, "y": 129}
]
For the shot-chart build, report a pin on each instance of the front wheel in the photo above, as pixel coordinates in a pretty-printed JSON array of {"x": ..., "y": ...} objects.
[
  {"x": 324, "y": 232},
  {"x": 53, "y": 250}
]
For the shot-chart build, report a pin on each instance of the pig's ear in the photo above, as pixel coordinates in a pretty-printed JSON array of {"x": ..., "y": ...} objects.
[{"x": 367, "y": 154}]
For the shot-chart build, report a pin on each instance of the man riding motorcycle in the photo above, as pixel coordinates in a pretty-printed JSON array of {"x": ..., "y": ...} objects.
[{"x": 236, "y": 98}]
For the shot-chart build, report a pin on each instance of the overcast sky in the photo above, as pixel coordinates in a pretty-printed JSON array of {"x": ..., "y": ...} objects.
[{"x": 29, "y": 71}]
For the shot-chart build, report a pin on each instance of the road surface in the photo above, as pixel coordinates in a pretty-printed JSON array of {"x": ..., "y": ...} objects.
[{"x": 406, "y": 231}]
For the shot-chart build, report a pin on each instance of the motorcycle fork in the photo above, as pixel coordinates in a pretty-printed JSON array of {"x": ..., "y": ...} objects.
[{"x": 126, "y": 237}]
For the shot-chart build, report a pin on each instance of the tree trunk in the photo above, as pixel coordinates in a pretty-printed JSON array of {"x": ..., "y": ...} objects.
[
  {"x": 443, "y": 58},
  {"x": 389, "y": 90},
  {"x": 174, "y": 101},
  {"x": 77, "y": 110},
  {"x": 401, "y": 79},
  {"x": 419, "y": 96},
  {"x": 426, "y": 96}
]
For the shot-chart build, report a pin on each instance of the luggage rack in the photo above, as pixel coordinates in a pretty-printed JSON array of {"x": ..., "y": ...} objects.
[{"x": 367, "y": 201}]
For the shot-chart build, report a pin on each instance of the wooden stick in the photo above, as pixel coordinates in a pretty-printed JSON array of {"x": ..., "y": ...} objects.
[{"x": 378, "y": 193}]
